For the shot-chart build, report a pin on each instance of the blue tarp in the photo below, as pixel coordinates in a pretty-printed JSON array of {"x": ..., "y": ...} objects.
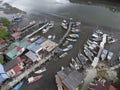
[
  {"x": 3, "y": 75},
  {"x": 39, "y": 41}
]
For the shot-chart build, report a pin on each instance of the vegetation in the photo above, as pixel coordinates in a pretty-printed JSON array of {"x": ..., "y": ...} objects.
[
  {"x": 118, "y": 81},
  {"x": 3, "y": 33},
  {"x": 4, "y": 21},
  {"x": 1, "y": 60}
]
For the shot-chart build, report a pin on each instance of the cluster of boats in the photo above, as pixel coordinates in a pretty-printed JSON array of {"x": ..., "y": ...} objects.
[
  {"x": 92, "y": 46},
  {"x": 31, "y": 79},
  {"x": 79, "y": 61}
]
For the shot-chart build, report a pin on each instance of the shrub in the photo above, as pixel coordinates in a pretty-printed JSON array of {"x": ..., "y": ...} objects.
[
  {"x": 4, "y": 21},
  {"x": 3, "y": 33}
]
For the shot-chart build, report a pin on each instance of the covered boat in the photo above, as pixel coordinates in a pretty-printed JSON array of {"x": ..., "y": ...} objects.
[
  {"x": 43, "y": 69},
  {"x": 18, "y": 86}
]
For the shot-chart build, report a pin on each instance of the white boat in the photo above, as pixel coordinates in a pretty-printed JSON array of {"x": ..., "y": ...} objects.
[
  {"x": 74, "y": 35},
  {"x": 34, "y": 79},
  {"x": 68, "y": 48},
  {"x": 43, "y": 69},
  {"x": 64, "y": 24},
  {"x": 75, "y": 30},
  {"x": 62, "y": 68},
  {"x": 63, "y": 55},
  {"x": 70, "y": 39}
]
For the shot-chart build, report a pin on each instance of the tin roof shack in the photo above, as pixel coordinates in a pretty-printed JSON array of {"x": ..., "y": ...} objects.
[
  {"x": 17, "y": 48},
  {"x": 3, "y": 74},
  {"x": 70, "y": 79},
  {"x": 101, "y": 85},
  {"x": 13, "y": 67}
]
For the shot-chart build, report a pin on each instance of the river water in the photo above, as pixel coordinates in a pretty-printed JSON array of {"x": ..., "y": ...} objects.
[{"x": 101, "y": 15}]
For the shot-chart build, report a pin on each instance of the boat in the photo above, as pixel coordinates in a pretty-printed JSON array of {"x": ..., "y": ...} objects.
[
  {"x": 51, "y": 24},
  {"x": 63, "y": 55},
  {"x": 82, "y": 58},
  {"x": 64, "y": 24},
  {"x": 89, "y": 54},
  {"x": 18, "y": 86},
  {"x": 75, "y": 30},
  {"x": 104, "y": 54},
  {"x": 34, "y": 79},
  {"x": 68, "y": 48},
  {"x": 65, "y": 43},
  {"x": 45, "y": 30},
  {"x": 70, "y": 39},
  {"x": 62, "y": 68},
  {"x": 43, "y": 69},
  {"x": 74, "y": 35},
  {"x": 51, "y": 37}
]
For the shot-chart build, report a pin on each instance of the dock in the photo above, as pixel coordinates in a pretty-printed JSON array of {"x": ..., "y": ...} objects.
[{"x": 102, "y": 44}]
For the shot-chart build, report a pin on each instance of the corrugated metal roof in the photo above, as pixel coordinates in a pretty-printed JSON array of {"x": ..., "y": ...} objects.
[
  {"x": 31, "y": 55},
  {"x": 71, "y": 78},
  {"x": 10, "y": 64}
]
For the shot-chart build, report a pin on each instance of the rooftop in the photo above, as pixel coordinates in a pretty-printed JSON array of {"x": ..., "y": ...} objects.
[{"x": 70, "y": 78}]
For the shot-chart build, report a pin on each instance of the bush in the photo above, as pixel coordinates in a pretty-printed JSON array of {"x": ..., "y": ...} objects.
[
  {"x": 3, "y": 33},
  {"x": 1, "y": 60},
  {"x": 4, "y": 21},
  {"x": 118, "y": 81}
]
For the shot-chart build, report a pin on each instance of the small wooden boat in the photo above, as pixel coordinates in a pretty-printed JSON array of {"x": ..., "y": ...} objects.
[
  {"x": 70, "y": 39},
  {"x": 34, "y": 79},
  {"x": 43, "y": 69},
  {"x": 74, "y": 35},
  {"x": 18, "y": 86}
]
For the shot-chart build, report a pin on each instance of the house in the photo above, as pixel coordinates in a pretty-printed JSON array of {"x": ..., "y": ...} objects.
[
  {"x": 69, "y": 79},
  {"x": 3, "y": 74},
  {"x": 13, "y": 67},
  {"x": 17, "y": 48}
]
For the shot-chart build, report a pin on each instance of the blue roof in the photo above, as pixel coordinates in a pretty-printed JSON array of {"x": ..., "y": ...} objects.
[
  {"x": 35, "y": 48},
  {"x": 39, "y": 41},
  {"x": 3, "y": 74}
]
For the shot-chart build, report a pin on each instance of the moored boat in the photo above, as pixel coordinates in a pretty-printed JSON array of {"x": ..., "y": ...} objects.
[
  {"x": 43, "y": 69},
  {"x": 70, "y": 39},
  {"x": 74, "y": 35},
  {"x": 18, "y": 86},
  {"x": 64, "y": 24},
  {"x": 34, "y": 79}
]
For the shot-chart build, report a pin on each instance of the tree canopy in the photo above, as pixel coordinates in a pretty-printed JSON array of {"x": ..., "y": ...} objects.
[
  {"x": 4, "y": 21},
  {"x": 3, "y": 33}
]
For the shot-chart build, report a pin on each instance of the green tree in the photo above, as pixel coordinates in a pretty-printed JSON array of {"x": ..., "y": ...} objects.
[
  {"x": 3, "y": 33},
  {"x": 118, "y": 81},
  {"x": 1, "y": 60},
  {"x": 4, "y": 21}
]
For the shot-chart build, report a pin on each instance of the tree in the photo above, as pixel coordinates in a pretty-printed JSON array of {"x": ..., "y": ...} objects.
[
  {"x": 4, "y": 21},
  {"x": 1, "y": 60},
  {"x": 118, "y": 81},
  {"x": 3, "y": 33}
]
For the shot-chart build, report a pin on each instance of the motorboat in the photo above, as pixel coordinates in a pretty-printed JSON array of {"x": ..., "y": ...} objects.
[
  {"x": 75, "y": 30},
  {"x": 34, "y": 79},
  {"x": 89, "y": 54},
  {"x": 65, "y": 43},
  {"x": 51, "y": 37},
  {"x": 45, "y": 30},
  {"x": 43, "y": 69},
  {"x": 51, "y": 24},
  {"x": 68, "y": 48},
  {"x": 104, "y": 54},
  {"x": 74, "y": 35},
  {"x": 110, "y": 55},
  {"x": 63, "y": 55},
  {"x": 18, "y": 86},
  {"x": 82, "y": 58},
  {"x": 70, "y": 39},
  {"x": 62, "y": 68},
  {"x": 64, "y": 24}
]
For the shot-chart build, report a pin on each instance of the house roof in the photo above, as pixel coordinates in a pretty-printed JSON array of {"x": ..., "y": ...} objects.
[
  {"x": 31, "y": 55},
  {"x": 3, "y": 74},
  {"x": 10, "y": 64},
  {"x": 48, "y": 45},
  {"x": 70, "y": 78},
  {"x": 17, "y": 48}
]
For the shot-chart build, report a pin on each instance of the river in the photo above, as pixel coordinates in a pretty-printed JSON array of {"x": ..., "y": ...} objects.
[{"x": 102, "y": 15}]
